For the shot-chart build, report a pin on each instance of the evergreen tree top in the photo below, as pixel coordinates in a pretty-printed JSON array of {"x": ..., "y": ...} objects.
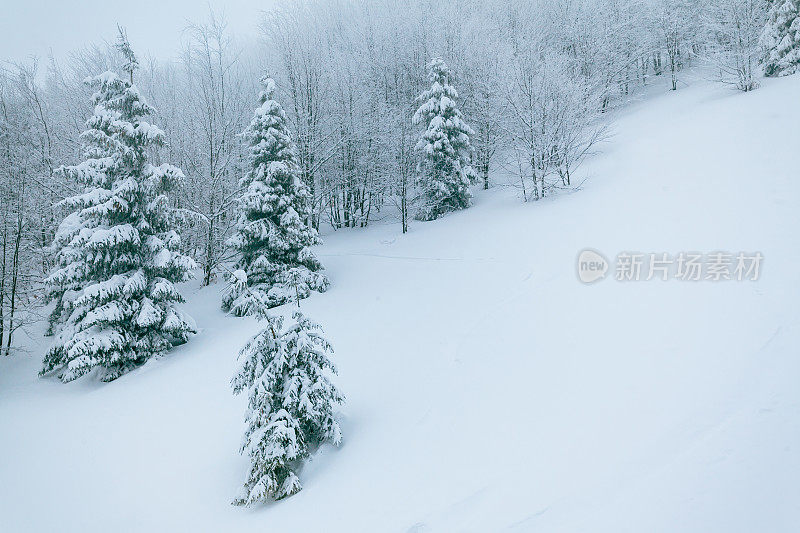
[
  {"x": 267, "y": 133},
  {"x": 123, "y": 45},
  {"x": 116, "y": 101},
  {"x": 268, "y": 90},
  {"x": 438, "y": 104},
  {"x": 117, "y": 136},
  {"x": 439, "y": 76},
  {"x": 438, "y": 71}
]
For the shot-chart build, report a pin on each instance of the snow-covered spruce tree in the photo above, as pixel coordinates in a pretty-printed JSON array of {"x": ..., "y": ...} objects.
[
  {"x": 290, "y": 403},
  {"x": 273, "y": 234},
  {"x": 781, "y": 38},
  {"x": 116, "y": 258},
  {"x": 444, "y": 172}
]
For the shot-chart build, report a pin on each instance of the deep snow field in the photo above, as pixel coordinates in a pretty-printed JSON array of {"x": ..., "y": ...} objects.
[{"x": 488, "y": 389}]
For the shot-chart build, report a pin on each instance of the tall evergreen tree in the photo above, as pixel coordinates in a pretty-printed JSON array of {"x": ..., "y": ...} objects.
[
  {"x": 444, "y": 170},
  {"x": 116, "y": 258},
  {"x": 273, "y": 234},
  {"x": 781, "y": 38},
  {"x": 290, "y": 403}
]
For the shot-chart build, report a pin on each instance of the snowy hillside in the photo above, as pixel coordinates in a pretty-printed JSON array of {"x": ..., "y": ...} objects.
[{"x": 487, "y": 388}]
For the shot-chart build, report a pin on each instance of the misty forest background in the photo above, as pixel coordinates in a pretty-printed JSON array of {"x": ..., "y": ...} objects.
[{"x": 535, "y": 81}]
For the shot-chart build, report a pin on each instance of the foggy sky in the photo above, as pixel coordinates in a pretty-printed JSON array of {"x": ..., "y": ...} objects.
[{"x": 34, "y": 27}]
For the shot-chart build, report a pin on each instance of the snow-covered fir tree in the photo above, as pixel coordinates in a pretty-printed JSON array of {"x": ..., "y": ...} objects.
[
  {"x": 444, "y": 170},
  {"x": 116, "y": 252},
  {"x": 273, "y": 234},
  {"x": 290, "y": 406},
  {"x": 781, "y": 38}
]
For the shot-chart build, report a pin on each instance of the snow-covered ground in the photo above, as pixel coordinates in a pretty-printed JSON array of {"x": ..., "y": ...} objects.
[{"x": 488, "y": 389}]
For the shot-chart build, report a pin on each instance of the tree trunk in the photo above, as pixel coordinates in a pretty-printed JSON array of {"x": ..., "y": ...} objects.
[
  {"x": 3, "y": 284},
  {"x": 209, "y": 262},
  {"x": 14, "y": 277}
]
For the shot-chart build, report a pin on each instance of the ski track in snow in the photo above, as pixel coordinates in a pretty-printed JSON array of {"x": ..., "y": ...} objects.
[{"x": 487, "y": 389}]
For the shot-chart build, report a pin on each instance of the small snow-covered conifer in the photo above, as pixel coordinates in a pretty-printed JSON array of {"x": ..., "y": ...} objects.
[
  {"x": 116, "y": 258},
  {"x": 273, "y": 235},
  {"x": 290, "y": 406},
  {"x": 444, "y": 170},
  {"x": 781, "y": 38}
]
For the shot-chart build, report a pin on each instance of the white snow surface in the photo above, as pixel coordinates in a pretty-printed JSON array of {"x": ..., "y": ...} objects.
[{"x": 487, "y": 388}]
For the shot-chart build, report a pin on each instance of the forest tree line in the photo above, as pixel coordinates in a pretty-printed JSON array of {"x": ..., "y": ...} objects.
[{"x": 534, "y": 80}]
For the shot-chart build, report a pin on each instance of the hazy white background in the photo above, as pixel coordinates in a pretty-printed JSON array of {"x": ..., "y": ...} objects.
[{"x": 35, "y": 27}]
